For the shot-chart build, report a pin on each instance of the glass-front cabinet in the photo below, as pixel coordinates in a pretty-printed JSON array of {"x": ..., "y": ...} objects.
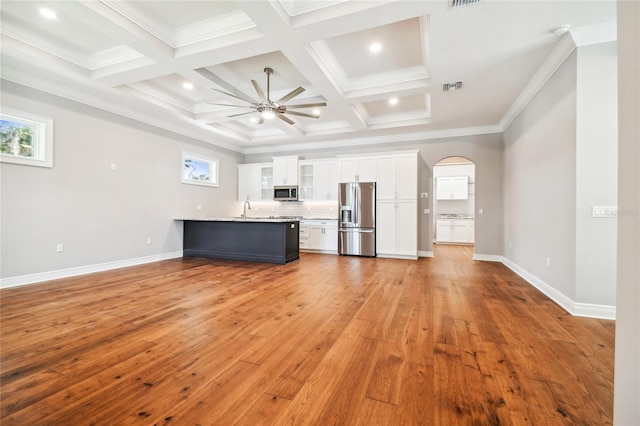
[
  {"x": 266, "y": 183},
  {"x": 318, "y": 180},
  {"x": 306, "y": 182},
  {"x": 255, "y": 182}
]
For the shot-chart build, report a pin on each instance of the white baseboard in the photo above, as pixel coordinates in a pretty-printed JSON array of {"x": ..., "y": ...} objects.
[
  {"x": 595, "y": 311},
  {"x": 574, "y": 308},
  {"x": 424, "y": 253},
  {"x": 397, "y": 256},
  {"x": 81, "y": 270},
  {"x": 487, "y": 257}
]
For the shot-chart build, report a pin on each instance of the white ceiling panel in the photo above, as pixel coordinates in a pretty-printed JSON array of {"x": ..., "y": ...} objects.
[{"x": 134, "y": 57}]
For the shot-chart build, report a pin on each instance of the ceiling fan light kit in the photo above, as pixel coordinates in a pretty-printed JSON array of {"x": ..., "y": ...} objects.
[{"x": 269, "y": 109}]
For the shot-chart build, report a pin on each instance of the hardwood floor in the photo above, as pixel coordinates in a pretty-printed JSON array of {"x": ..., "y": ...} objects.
[{"x": 328, "y": 340}]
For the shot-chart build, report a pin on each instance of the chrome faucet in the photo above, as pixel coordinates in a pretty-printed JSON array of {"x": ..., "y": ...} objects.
[{"x": 246, "y": 204}]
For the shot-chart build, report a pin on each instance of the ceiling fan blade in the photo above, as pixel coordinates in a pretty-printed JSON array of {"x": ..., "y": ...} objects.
[
  {"x": 231, "y": 105},
  {"x": 303, "y": 114},
  {"x": 235, "y": 96},
  {"x": 283, "y": 118},
  {"x": 292, "y": 94},
  {"x": 258, "y": 90},
  {"x": 318, "y": 104},
  {"x": 242, "y": 113}
]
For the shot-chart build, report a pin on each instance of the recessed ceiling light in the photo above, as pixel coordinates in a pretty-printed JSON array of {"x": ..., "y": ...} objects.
[
  {"x": 187, "y": 85},
  {"x": 48, "y": 13},
  {"x": 375, "y": 47},
  {"x": 253, "y": 120},
  {"x": 393, "y": 101},
  {"x": 316, "y": 112}
]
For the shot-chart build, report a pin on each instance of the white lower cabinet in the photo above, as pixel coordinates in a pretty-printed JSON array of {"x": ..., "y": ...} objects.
[
  {"x": 397, "y": 228},
  {"x": 454, "y": 231},
  {"x": 319, "y": 235}
]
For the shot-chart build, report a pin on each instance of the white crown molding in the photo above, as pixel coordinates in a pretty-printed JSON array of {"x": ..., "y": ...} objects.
[
  {"x": 576, "y": 37},
  {"x": 83, "y": 62},
  {"x": 376, "y": 140},
  {"x": 549, "y": 66},
  {"x": 82, "y": 270}
]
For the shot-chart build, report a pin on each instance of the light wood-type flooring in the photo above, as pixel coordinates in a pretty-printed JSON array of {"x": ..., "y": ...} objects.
[{"x": 327, "y": 340}]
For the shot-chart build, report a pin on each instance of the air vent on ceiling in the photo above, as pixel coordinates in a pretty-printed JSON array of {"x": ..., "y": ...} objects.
[
  {"x": 452, "y": 87},
  {"x": 461, "y": 3}
]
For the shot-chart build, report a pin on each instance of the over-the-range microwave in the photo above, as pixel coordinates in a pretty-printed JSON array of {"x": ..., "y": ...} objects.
[{"x": 285, "y": 193}]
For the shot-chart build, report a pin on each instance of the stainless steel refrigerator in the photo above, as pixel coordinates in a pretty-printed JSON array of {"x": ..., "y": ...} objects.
[{"x": 357, "y": 221}]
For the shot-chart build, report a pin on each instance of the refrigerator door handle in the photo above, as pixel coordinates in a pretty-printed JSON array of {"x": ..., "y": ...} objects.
[{"x": 368, "y": 231}]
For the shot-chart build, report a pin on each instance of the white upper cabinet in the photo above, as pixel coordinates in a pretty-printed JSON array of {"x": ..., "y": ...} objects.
[
  {"x": 285, "y": 170},
  {"x": 397, "y": 177},
  {"x": 318, "y": 180},
  {"x": 452, "y": 188},
  {"x": 255, "y": 182},
  {"x": 358, "y": 169}
]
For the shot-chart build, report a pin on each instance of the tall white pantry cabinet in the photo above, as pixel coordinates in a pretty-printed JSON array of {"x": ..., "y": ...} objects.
[{"x": 397, "y": 206}]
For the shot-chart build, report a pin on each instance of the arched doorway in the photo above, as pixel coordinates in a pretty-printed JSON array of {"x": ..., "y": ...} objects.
[{"x": 454, "y": 201}]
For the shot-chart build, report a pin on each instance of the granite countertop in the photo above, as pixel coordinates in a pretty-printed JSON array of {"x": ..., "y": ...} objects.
[
  {"x": 454, "y": 216},
  {"x": 239, "y": 219}
]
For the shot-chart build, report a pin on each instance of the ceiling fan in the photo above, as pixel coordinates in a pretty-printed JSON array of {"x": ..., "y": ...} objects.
[{"x": 269, "y": 109}]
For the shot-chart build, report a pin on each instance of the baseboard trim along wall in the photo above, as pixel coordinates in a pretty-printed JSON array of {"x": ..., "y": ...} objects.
[
  {"x": 487, "y": 257},
  {"x": 424, "y": 253},
  {"x": 574, "y": 308},
  {"x": 81, "y": 270}
]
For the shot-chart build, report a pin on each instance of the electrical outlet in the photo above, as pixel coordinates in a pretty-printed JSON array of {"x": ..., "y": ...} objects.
[
  {"x": 199, "y": 207},
  {"x": 424, "y": 195},
  {"x": 427, "y": 211},
  {"x": 480, "y": 211},
  {"x": 510, "y": 245},
  {"x": 148, "y": 241},
  {"x": 113, "y": 166},
  {"x": 548, "y": 261},
  {"x": 59, "y": 248}
]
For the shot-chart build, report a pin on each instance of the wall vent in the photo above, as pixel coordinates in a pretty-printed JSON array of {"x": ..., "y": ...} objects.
[
  {"x": 461, "y": 3},
  {"x": 452, "y": 87}
]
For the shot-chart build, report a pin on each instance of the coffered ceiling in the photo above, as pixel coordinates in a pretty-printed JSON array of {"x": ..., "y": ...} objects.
[{"x": 166, "y": 63}]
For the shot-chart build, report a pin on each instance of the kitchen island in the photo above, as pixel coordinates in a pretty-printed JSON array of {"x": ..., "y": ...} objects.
[{"x": 266, "y": 240}]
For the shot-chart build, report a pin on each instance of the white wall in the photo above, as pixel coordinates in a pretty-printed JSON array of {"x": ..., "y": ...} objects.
[
  {"x": 626, "y": 403},
  {"x": 540, "y": 182},
  {"x": 100, "y": 215},
  {"x": 560, "y": 160},
  {"x": 596, "y": 173}
]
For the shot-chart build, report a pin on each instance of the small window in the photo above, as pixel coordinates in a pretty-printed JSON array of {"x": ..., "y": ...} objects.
[{"x": 25, "y": 138}]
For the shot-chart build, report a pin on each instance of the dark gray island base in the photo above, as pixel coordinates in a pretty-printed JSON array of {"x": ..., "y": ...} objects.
[{"x": 266, "y": 241}]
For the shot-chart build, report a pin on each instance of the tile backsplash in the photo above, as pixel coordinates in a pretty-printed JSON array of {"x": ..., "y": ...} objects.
[{"x": 307, "y": 210}]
